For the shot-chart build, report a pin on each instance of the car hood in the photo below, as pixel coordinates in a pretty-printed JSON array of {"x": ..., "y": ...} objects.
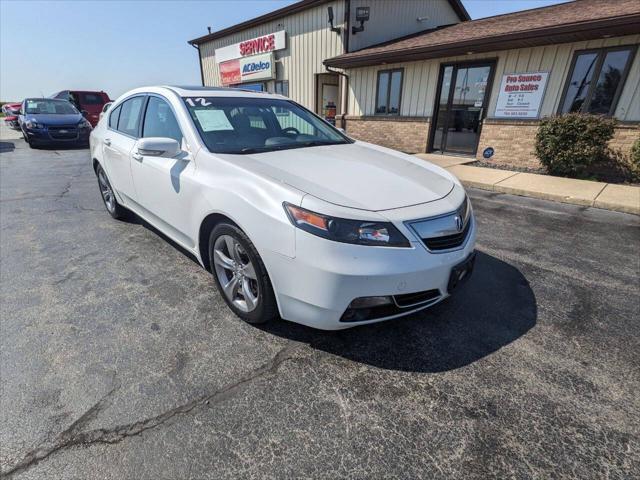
[
  {"x": 55, "y": 119},
  {"x": 356, "y": 175}
]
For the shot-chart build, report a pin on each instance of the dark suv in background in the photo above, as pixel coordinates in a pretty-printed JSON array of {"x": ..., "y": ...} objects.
[{"x": 89, "y": 103}]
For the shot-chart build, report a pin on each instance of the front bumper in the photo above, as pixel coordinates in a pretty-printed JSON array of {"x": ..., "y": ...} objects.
[
  {"x": 317, "y": 286},
  {"x": 44, "y": 136}
]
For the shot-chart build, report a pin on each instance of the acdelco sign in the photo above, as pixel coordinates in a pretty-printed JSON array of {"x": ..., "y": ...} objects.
[
  {"x": 264, "y": 44},
  {"x": 254, "y": 69}
]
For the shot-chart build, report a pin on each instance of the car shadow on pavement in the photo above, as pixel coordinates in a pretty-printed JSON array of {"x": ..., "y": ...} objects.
[
  {"x": 7, "y": 147},
  {"x": 61, "y": 147},
  {"x": 494, "y": 308}
]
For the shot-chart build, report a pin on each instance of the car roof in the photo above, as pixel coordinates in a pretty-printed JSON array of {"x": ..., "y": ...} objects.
[
  {"x": 188, "y": 91},
  {"x": 197, "y": 91},
  {"x": 47, "y": 98}
]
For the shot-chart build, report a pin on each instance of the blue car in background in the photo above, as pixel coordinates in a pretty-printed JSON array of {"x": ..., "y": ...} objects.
[{"x": 48, "y": 121}]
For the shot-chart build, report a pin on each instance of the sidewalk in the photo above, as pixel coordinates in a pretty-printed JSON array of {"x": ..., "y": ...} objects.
[{"x": 620, "y": 198}]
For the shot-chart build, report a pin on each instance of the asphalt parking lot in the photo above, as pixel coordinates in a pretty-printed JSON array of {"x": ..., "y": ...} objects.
[{"x": 119, "y": 360}]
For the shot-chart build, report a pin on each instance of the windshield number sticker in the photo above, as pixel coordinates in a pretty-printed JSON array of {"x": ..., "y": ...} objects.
[{"x": 198, "y": 102}]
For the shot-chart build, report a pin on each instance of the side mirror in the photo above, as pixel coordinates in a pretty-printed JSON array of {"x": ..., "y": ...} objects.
[
  {"x": 158, "y": 147},
  {"x": 84, "y": 113}
]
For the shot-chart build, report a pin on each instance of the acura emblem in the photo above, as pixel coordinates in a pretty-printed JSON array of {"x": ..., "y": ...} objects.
[{"x": 459, "y": 223}]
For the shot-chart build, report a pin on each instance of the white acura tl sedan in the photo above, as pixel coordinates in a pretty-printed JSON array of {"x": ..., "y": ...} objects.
[{"x": 290, "y": 215}]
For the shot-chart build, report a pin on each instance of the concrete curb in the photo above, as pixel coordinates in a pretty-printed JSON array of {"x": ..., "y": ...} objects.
[{"x": 619, "y": 198}]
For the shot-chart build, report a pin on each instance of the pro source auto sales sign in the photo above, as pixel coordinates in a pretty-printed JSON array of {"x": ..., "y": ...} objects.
[
  {"x": 250, "y": 69},
  {"x": 521, "y": 95}
]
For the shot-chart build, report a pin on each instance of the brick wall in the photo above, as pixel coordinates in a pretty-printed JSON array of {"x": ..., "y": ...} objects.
[
  {"x": 624, "y": 137},
  {"x": 514, "y": 142},
  {"x": 407, "y": 134}
]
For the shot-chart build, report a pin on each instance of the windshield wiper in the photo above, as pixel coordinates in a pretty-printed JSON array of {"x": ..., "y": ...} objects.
[
  {"x": 318, "y": 143},
  {"x": 289, "y": 146}
]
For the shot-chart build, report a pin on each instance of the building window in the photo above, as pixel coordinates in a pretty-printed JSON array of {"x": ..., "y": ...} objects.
[
  {"x": 282, "y": 87},
  {"x": 596, "y": 80},
  {"x": 389, "y": 92}
]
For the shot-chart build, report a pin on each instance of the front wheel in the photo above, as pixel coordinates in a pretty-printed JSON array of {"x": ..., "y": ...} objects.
[
  {"x": 240, "y": 275},
  {"x": 116, "y": 210}
]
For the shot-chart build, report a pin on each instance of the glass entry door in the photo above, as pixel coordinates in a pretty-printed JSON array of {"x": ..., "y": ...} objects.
[{"x": 462, "y": 100}]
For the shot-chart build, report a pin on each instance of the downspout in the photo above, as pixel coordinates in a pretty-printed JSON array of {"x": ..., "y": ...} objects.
[
  {"x": 197, "y": 47},
  {"x": 345, "y": 96},
  {"x": 345, "y": 43}
]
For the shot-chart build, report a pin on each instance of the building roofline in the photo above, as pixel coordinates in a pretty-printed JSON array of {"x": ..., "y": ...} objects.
[
  {"x": 296, "y": 7},
  {"x": 567, "y": 32}
]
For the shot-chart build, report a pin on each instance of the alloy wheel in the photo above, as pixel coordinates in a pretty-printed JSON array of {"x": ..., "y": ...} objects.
[
  {"x": 236, "y": 273},
  {"x": 107, "y": 193}
]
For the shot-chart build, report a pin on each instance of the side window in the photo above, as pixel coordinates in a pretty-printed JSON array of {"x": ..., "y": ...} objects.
[
  {"x": 596, "y": 80},
  {"x": 91, "y": 99},
  {"x": 113, "y": 118},
  {"x": 130, "y": 116},
  {"x": 73, "y": 98},
  {"x": 159, "y": 121},
  {"x": 282, "y": 87},
  {"x": 389, "y": 92}
]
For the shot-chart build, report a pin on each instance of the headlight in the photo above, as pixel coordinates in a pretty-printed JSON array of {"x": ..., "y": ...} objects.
[
  {"x": 31, "y": 124},
  {"x": 84, "y": 123},
  {"x": 360, "y": 232}
]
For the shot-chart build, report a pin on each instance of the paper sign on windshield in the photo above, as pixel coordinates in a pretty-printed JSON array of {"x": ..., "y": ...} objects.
[{"x": 213, "y": 120}]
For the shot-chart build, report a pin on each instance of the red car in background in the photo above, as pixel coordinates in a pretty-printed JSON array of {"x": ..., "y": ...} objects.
[
  {"x": 11, "y": 112},
  {"x": 88, "y": 102}
]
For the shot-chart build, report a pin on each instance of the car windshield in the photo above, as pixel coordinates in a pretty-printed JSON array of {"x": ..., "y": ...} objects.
[
  {"x": 49, "y": 106},
  {"x": 243, "y": 125}
]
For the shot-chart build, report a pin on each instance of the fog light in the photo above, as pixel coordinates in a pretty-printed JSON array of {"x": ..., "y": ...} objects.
[{"x": 368, "y": 302}]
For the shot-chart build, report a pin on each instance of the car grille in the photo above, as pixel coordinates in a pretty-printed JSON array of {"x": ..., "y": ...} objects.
[
  {"x": 63, "y": 132},
  {"x": 445, "y": 232},
  {"x": 449, "y": 241}
]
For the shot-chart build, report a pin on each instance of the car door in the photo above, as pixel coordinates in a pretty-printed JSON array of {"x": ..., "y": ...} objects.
[
  {"x": 164, "y": 185},
  {"x": 119, "y": 139}
]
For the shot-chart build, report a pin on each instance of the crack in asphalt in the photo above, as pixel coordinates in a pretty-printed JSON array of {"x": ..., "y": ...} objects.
[{"x": 72, "y": 437}]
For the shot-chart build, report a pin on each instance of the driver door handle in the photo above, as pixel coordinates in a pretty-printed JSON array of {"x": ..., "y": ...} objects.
[
  {"x": 137, "y": 156},
  {"x": 107, "y": 141}
]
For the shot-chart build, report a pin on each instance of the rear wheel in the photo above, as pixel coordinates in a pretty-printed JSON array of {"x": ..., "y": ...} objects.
[
  {"x": 240, "y": 275},
  {"x": 116, "y": 210}
]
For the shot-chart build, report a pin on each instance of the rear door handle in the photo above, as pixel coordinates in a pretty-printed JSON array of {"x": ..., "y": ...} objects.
[
  {"x": 137, "y": 156},
  {"x": 107, "y": 141}
]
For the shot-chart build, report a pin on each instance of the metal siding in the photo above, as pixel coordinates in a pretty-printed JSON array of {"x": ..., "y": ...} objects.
[
  {"x": 418, "y": 91},
  {"x": 391, "y": 19},
  {"x": 309, "y": 42}
]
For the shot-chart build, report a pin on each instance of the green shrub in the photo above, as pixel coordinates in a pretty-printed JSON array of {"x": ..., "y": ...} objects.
[
  {"x": 635, "y": 152},
  {"x": 628, "y": 163},
  {"x": 568, "y": 145}
]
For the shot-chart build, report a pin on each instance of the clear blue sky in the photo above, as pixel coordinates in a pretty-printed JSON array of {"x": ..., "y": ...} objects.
[{"x": 46, "y": 46}]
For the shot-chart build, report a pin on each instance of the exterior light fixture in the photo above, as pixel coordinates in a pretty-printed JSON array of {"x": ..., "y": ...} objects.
[
  {"x": 333, "y": 29},
  {"x": 362, "y": 15}
]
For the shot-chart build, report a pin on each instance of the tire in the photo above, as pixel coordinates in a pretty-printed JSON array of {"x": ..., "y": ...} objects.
[
  {"x": 30, "y": 142},
  {"x": 252, "y": 299},
  {"x": 116, "y": 210}
]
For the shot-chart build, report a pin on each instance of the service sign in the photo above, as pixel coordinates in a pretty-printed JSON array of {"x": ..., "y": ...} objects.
[
  {"x": 250, "y": 69},
  {"x": 521, "y": 95},
  {"x": 264, "y": 44}
]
